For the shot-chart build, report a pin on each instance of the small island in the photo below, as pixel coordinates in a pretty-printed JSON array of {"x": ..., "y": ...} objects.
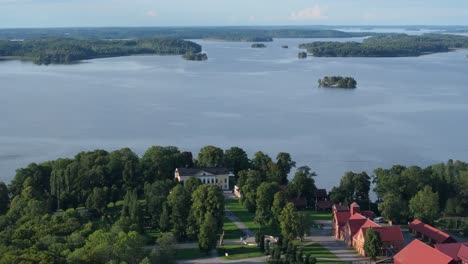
[
  {"x": 302, "y": 55},
  {"x": 337, "y": 82},
  {"x": 285, "y": 46},
  {"x": 258, "y": 45},
  {"x": 195, "y": 56}
]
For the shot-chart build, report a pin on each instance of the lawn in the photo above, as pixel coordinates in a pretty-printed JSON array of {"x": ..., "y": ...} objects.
[
  {"x": 230, "y": 230},
  {"x": 319, "y": 251},
  {"x": 245, "y": 216},
  {"x": 236, "y": 252},
  {"x": 316, "y": 217},
  {"x": 190, "y": 253}
]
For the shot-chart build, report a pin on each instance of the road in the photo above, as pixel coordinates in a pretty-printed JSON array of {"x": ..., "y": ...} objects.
[
  {"x": 221, "y": 260},
  {"x": 339, "y": 248}
]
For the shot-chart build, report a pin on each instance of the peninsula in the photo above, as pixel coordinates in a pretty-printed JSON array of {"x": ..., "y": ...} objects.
[{"x": 66, "y": 50}]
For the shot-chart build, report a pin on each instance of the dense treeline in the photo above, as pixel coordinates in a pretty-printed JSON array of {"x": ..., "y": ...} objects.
[
  {"x": 66, "y": 50},
  {"x": 99, "y": 206},
  {"x": 337, "y": 82},
  {"x": 394, "y": 45},
  {"x": 221, "y": 33},
  {"x": 411, "y": 192},
  {"x": 195, "y": 56}
]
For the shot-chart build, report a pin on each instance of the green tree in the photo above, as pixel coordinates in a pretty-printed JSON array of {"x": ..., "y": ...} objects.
[
  {"x": 264, "y": 200},
  {"x": 159, "y": 163},
  {"x": 353, "y": 187},
  {"x": 285, "y": 164},
  {"x": 289, "y": 222},
  {"x": 207, "y": 236},
  {"x": 210, "y": 156},
  {"x": 303, "y": 184},
  {"x": 191, "y": 184},
  {"x": 4, "y": 198},
  {"x": 156, "y": 195},
  {"x": 236, "y": 159},
  {"x": 165, "y": 219},
  {"x": 372, "y": 243},
  {"x": 98, "y": 201},
  {"x": 304, "y": 224},
  {"x": 124, "y": 169},
  {"x": 425, "y": 205},
  {"x": 394, "y": 208},
  {"x": 131, "y": 206},
  {"x": 208, "y": 200},
  {"x": 167, "y": 243},
  {"x": 260, "y": 162},
  {"x": 179, "y": 203}
]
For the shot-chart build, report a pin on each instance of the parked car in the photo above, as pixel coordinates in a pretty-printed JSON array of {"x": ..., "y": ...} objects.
[{"x": 379, "y": 219}]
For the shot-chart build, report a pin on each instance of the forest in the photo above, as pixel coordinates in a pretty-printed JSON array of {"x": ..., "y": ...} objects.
[
  {"x": 337, "y": 82},
  {"x": 389, "y": 45},
  {"x": 66, "y": 50},
  {"x": 101, "y": 207},
  {"x": 249, "y": 34}
]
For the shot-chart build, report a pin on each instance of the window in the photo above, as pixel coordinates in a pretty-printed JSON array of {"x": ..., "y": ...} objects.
[
  {"x": 216, "y": 180},
  {"x": 225, "y": 180}
]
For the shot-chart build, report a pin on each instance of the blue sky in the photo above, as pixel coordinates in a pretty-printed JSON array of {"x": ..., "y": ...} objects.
[{"x": 64, "y": 13}]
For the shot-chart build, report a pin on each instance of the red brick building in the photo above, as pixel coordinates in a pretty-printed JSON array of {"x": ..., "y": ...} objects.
[
  {"x": 457, "y": 251},
  {"x": 392, "y": 239},
  {"x": 418, "y": 252},
  {"x": 429, "y": 234},
  {"x": 350, "y": 224}
]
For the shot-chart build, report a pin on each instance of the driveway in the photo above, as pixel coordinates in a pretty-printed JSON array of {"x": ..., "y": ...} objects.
[
  {"x": 339, "y": 248},
  {"x": 221, "y": 260}
]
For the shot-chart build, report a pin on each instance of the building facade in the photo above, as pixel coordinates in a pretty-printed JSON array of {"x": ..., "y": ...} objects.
[{"x": 211, "y": 176}]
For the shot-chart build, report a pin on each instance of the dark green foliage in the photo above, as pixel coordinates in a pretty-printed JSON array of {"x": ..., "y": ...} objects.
[
  {"x": 258, "y": 45},
  {"x": 195, "y": 56},
  {"x": 353, "y": 187},
  {"x": 66, "y": 50},
  {"x": 236, "y": 160},
  {"x": 264, "y": 200},
  {"x": 179, "y": 204},
  {"x": 303, "y": 185},
  {"x": 372, "y": 244},
  {"x": 285, "y": 163},
  {"x": 206, "y": 237},
  {"x": 210, "y": 156},
  {"x": 4, "y": 198},
  {"x": 337, "y": 82},
  {"x": 302, "y": 55},
  {"x": 156, "y": 195},
  {"x": 390, "y": 45},
  {"x": 425, "y": 205}
]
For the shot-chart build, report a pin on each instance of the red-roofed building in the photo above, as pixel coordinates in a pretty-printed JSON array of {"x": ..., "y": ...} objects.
[
  {"x": 457, "y": 251},
  {"x": 392, "y": 239},
  {"x": 340, "y": 218},
  {"x": 418, "y": 252},
  {"x": 355, "y": 222},
  {"x": 429, "y": 234}
]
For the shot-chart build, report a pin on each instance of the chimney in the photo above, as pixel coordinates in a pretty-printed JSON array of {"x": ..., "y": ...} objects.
[{"x": 355, "y": 209}]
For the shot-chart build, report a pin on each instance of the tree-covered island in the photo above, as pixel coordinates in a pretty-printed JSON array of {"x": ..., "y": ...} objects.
[
  {"x": 258, "y": 45},
  {"x": 389, "y": 45},
  {"x": 66, "y": 50},
  {"x": 302, "y": 55},
  {"x": 285, "y": 46},
  {"x": 337, "y": 82},
  {"x": 195, "y": 56}
]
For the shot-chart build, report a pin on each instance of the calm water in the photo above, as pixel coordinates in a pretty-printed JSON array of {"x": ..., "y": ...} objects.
[{"x": 405, "y": 110}]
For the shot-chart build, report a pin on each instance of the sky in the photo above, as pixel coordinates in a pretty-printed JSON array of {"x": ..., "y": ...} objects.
[{"x": 98, "y": 13}]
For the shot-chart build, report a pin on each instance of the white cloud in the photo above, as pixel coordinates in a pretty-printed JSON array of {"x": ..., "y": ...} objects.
[
  {"x": 152, "y": 13},
  {"x": 311, "y": 13}
]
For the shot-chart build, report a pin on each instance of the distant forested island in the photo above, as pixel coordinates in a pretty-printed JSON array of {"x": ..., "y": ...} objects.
[
  {"x": 67, "y": 50},
  {"x": 302, "y": 55},
  {"x": 337, "y": 82},
  {"x": 258, "y": 45},
  {"x": 195, "y": 56},
  {"x": 248, "y": 34},
  {"x": 285, "y": 46},
  {"x": 393, "y": 45}
]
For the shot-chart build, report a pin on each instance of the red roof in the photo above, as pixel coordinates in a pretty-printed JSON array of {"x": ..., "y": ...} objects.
[
  {"x": 340, "y": 208},
  {"x": 454, "y": 250},
  {"x": 387, "y": 233},
  {"x": 367, "y": 223},
  {"x": 429, "y": 231},
  {"x": 355, "y": 223},
  {"x": 463, "y": 253},
  {"x": 418, "y": 252},
  {"x": 342, "y": 217}
]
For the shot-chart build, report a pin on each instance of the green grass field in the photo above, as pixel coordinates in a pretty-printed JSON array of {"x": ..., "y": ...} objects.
[
  {"x": 230, "y": 230},
  {"x": 190, "y": 253},
  {"x": 316, "y": 217},
  {"x": 245, "y": 216},
  {"x": 236, "y": 252}
]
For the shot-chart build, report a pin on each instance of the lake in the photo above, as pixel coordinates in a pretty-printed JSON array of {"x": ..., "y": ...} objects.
[{"x": 410, "y": 111}]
